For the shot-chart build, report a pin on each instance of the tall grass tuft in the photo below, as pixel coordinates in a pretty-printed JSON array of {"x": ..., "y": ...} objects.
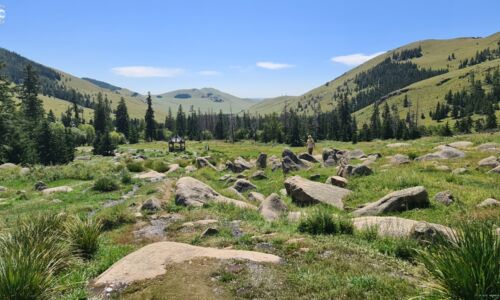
[
  {"x": 30, "y": 258},
  {"x": 83, "y": 236},
  {"x": 467, "y": 265},
  {"x": 319, "y": 222}
]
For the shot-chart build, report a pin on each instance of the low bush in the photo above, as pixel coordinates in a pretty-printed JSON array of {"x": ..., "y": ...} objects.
[
  {"x": 115, "y": 216},
  {"x": 83, "y": 236},
  {"x": 125, "y": 177},
  {"x": 106, "y": 184},
  {"x": 467, "y": 265},
  {"x": 135, "y": 166},
  {"x": 319, "y": 222}
]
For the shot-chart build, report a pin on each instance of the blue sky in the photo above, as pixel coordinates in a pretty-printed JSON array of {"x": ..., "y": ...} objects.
[{"x": 250, "y": 48}]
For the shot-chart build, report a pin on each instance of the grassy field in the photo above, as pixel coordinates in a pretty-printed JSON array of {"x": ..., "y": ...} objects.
[{"x": 342, "y": 266}]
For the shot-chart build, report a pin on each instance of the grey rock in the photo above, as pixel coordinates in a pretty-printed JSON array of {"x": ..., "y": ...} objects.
[
  {"x": 337, "y": 181},
  {"x": 202, "y": 162},
  {"x": 306, "y": 192},
  {"x": 444, "y": 197},
  {"x": 7, "y": 166},
  {"x": 272, "y": 207},
  {"x": 357, "y": 153},
  {"x": 495, "y": 170},
  {"x": 308, "y": 157},
  {"x": 243, "y": 185},
  {"x": 445, "y": 152},
  {"x": 407, "y": 199},
  {"x": 259, "y": 175},
  {"x": 40, "y": 186},
  {"x": 360, "y": 170},
  {"x": 491, "y": 162},
  {"x": 210, "y": 231},
  {"x": 292, "y": 157},
  {"x": 400, "y": 159},
  {"x": 152, "y": 204},
  {"x": 3, "y": 189},
  {"x": 254, "y": 196},
  {"x": 490, "y": 202},
  {"x": 489, "y": 147},
  {"x": 262, "y": 161},
  {"x": 459, "y": 171}
]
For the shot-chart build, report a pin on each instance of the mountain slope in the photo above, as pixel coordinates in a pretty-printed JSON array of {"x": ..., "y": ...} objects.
[{"x": 433, "y": 55}]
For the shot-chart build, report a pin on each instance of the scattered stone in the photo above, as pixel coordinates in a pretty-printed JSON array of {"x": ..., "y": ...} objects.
[
  {"x": 40, "y": 186},
  {"x": 293, "y": 158},
  {"x": 494, "y": 170},
  {"x": 59, "y": 189},
  {"x": 151, "y": 176},
  {"x": 444, "y": 153},
  {"x": 491, "y": 162},
  {"x": 7, "y": 166},
  {"x": 243, "y": 185},
  {"x": 202, "y": 162},
  {"x": 190, "y": 169},
  {"x": 459, "y": 171},
  {"x": 154, "y": 231},
  {"x": 489, "y": 147},
  {"x": 200, "y": 223},
  {"x": 172, "y": 168},
  {"x": 315, "y": 177},
  {"x": 288, "y": 165},
  {"x": 307, "y": 157},
  {"x": 360, "y": 170},
  {"x": 150, "y": 261},
  {"x": 192, "y": 192},
  {"x": 444, "y": 197},
  {"x": 24, "y": 171},
  {"x": 239, "y": 165},
  {"x": 328, "y": 153},
  {"x": 337, "y": 181},
  {"x": 259, "y": 175},
  {"x": 490, "y": 202},
  {"x": 330, "y": 162},
  {"x": 399, "y": 227},
  {"x": 461, "y": 144},
  {"x": 442, "y": 168},
  {"x": 112, "y": 203},
  {"x": 398, "y": 145},
  {"x": 152, "y": 204},
  {"x": 306, "y": 192},
  {"x": 254, "y": 196},
  {"x": 272, "y": 207},
  {"x": 3, "y": 189},
  {"x": 357, "y": 153},
  {"x": 407, "y": 199},
  {"x": 210, "y": 231},
  {"x": 236, "y": 228},
  {"x": 294, "y": 216},
  {"x": 262, "y": 161},
  {"x": 400, "y": 159}
]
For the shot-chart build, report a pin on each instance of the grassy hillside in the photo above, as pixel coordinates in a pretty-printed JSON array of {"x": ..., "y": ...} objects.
[
  {"x": 206, "y": 99},
  {"x": 434, "y": 55}
]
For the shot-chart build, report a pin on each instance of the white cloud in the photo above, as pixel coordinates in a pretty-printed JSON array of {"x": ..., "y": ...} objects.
[
  {"x": 355, "y": 59},
  {"x": 273, "y": 66},
  {"x": 2, "y": 14},
  {"x": 144, "y": 71},
  {"x": 209, "y": 73}
]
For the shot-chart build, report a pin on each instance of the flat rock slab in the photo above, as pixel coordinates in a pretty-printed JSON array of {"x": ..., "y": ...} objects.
[
  {"x": 151, "y": 176},
  {"x": 410, "y": 198},
  {"x": 398, "y": 145},
  {"x": 306, "y": 192},
  {"x": 491, "y": 162},
  {"x": 192, "y": 192},
  {"x": 445, "y": 152},
  {"x": 461, "y": 144},
  {"x": 489, "y": 147},
  {"x": 150, "y": 261},
  {"x": 59, "y": 189},
  {"x": 400, "y": 159},
  {"x": 395, "y": 227}
]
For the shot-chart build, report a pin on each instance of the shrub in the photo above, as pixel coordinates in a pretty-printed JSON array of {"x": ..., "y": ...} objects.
[
  {"x": 466, "y": 266},
  {"x": 115, "y": 216},
  {"x": 106, "y": 184},
  {"x": 83, "y": 236},
  {"x": 159, "y": 166},
  {"x": 402, "y": 248},
  {"x": 319, "y": 222},
  {"x": 126, "y": 178},
  {"x": 345, "y": 225},
  {"x": 135, "y": 166}
]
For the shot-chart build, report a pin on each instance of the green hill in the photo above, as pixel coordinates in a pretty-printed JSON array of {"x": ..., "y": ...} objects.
[{"x": 424, "y": 71}]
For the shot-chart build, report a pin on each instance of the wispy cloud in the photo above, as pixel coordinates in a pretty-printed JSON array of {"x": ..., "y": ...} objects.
[
  {"x": 209, "y": 73},
  {"x": 2, "y": 14},
  {"x": 272, "y": 65},
  {"x": 145, "y": 71},
  {"x": 355, "y": 59}
]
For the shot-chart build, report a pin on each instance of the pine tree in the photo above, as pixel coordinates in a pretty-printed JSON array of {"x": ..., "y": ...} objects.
[
  {"x": 387, "y": 132},
  {"x": 375, "y": 124},
  {"x": 122, "y": 118},
  {"x": 149, "y": 118},
  {"x": 31, "y": 105},
  {"x": 51, "y": 117},
  {"x": 45, "y": 144},
  {"x": 169, "y": 120},
  {"x": 180, "y": 121},
  {"x": 220, "y": 128},
  {"x": 103, "y": 144},
  {"x": 76, "y": 111},
  {"x": 446, "y": 130},
  {"x": 134, "y": 135},
  {"x": 491, "y": 118},
  {"x": 66, "y": 117}
]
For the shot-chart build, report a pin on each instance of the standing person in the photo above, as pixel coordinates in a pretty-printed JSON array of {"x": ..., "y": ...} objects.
[{"x": 310, "y": 145}]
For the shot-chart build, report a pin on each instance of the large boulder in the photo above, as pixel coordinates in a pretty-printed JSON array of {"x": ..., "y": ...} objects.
[
  {"x": 272, "y": 207},
  {"x": 400, "y": 159},
  {"x": 410, "y": 198},
  {"x": 151, "y": 176},
  {"x": 461, "y": 144},
  {"x": 243, "y": 185},
  {"x": 306, "y": 192},
  {"x": 357, "y": 170},
  {"x": 307, "y": 157},
  {"x": 259, "y": 175},
  {"x": 288, "y": 153},
  {"x": 495, "y": 170},
  {"x": 262, "y": 161},
  {"x": 257, "y": 197},
  {"x": 192, "y": 192},
  {"x": 357, "y": 153},
  {"x": 491, "y": 162},
  {"x": 489, "y": 147},
  {"x": 336, "y": 181},
  {"x": 288, "y": 165},
  {"x": 173, "y": 168},
  {"x": 239, "y": 165},
  {"x": 396, "y": 227},
  {"x": 59, "y": 189},
  {"x": 445, "y": 152},
  {"x": 202, "y": 162},
  {"x": 152, "y": 204},
  {"x": 444, "y": 197},
  {"x": 7, "y": 166},
  {"x": 151, "y": 260}
]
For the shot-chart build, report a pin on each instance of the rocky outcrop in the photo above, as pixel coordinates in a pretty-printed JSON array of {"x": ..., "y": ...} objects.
[
  {"x": 272, "y": 207},
  {"x": 306, "y": 192},
  {"x": 337, "y": 181},
  {"x": 308, "y": 157},
  {"x": 490, "y": 162},
  {"x": 400, "y": 159},
  {"x": 490, "y": 202},
  {"x": 410, "y": 198},
  {"x": 259, "y": 175},
  {"x": 461, "y": 144},
  {"x": 239, "y": 165},
  {"x": 243, "y": 185},
  {"x": 151, "y": 176},
  {"x": 495, "y": 170},
  {"x": 262, "y": 161},
  {"x": 59, "y": 189},
  {"x": 396, "y": 227},
  {"x": 357, "y": 153},
  {"x": 292, "y": 157},
  {"x": 358, "y": 170},
  {"x": 152, "y": 204},
  {"x": 445, "y": 152},
  {"x": 150, "y": 261},
  {"x": 7, "y": 166},
  {"x": 489, "y": 147},
  {"x": 202, "y": 162},
  {"x": 257, "y": 197},
  {"x": 444, "y": 197},
  {"x": 192, "y": 192}
]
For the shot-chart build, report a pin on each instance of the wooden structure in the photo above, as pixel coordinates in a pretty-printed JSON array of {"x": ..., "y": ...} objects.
[{"x": 176, "y": 143}]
